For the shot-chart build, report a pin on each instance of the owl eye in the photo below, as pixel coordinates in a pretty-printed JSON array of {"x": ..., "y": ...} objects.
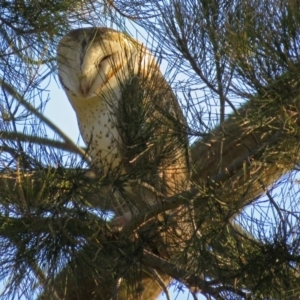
[{"x": 104, "y": 58}]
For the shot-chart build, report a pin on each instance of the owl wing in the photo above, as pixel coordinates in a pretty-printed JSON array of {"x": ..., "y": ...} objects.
[{"x": 154, "y": 144}]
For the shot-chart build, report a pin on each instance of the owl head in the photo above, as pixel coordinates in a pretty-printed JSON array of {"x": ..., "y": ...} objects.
[{"x": 92, "y": 60}]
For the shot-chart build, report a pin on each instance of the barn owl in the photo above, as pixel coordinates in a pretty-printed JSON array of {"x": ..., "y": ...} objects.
[
  {"x": 127, "y": 114},
  {"x": 128, "y": 117}
]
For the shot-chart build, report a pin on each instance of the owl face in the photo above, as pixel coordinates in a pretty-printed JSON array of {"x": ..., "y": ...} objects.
[{"x": 93, "y": 60}]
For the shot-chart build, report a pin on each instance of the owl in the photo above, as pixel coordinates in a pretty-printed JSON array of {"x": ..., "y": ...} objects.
[{"x": 128, "y": 116}]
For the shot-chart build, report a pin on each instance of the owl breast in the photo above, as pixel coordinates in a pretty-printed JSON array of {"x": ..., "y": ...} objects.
[{"x": 98, "y": 129}]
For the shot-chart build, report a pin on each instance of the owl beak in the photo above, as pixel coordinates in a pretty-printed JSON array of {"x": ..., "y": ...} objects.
[{"x": 84, "y": 86}]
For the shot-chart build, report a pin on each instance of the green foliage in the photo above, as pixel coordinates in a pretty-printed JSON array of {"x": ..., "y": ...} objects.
[{"x": 235, "y": 67}]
